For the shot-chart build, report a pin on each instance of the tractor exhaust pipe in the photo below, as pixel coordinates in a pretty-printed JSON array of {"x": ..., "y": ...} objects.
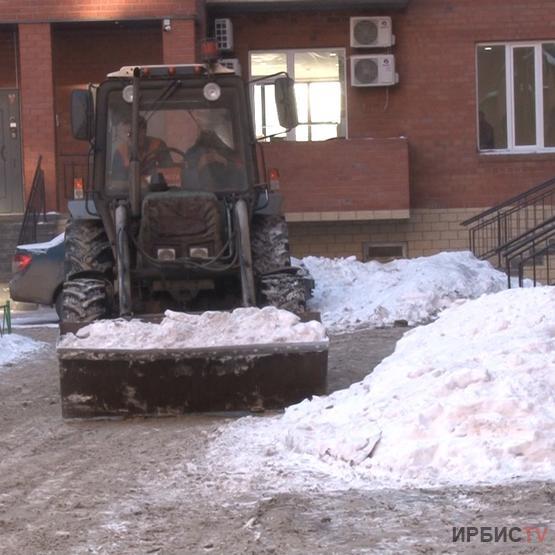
[{"x": 134, "y": 162}]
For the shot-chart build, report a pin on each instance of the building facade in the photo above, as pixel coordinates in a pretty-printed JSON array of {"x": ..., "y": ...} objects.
[{"x": 371, "y": 171}]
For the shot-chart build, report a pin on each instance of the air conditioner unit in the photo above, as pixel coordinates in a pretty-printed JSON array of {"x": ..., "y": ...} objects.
[
  {"x": 223, "y": 33},
  {"x": 373, "y": 71},
  {"x": 371, "y": 32},
  {"x": 231, "y": 63}
]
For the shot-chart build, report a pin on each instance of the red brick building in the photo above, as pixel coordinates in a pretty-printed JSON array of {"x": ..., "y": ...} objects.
[{"x": 470, "y": 122}]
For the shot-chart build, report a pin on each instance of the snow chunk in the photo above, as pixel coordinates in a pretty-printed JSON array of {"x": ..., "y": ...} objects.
[
  {"x": 243, "y": 326},
  {"x": 352, "y": 294},
  {"x": 43, "y": 247},
  {"x": 14, "y": 348},
  {"x": 467, "y": 399}
]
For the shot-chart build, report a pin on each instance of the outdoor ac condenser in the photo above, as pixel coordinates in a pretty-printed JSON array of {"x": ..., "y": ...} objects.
[
  {"x": 373, "y": 71},
  {"x": 223, "y": 33},
  {"x": 371, "y": 32}
]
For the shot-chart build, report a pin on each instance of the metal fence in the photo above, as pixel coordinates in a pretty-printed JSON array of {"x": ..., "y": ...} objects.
[{"x": 35, "y": 210}]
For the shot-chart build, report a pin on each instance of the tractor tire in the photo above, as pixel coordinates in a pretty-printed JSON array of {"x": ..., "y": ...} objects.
[
  {"x": 284, "y": 290},
  {"x": 85, "y": 300},
  {"x": 270, "y": 244},
  {"x": 87, "y": 249}
]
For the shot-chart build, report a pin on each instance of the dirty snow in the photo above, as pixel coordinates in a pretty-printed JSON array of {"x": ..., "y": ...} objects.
[
  {"x": 243, "y": 326},
  {"x": 468, "y": 399},
  {"x": 43, "y": 247},
  {"x": 352, "y": 294},
  {"x": 14, "y": 348}
]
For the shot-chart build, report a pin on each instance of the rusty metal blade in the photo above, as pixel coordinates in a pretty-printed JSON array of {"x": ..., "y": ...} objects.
[{"x": 109, "y": 383}]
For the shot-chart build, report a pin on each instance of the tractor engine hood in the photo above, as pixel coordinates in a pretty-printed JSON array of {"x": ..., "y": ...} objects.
[{"x": 181, "y": 224}]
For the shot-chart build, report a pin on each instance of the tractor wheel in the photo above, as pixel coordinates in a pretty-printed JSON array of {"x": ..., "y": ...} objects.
[
  {"x": 283, "y": 290},
  {"x": 270, "y": 244},
  {"x": 87, "y": 248},
  {"x": 85, "y": 300}
]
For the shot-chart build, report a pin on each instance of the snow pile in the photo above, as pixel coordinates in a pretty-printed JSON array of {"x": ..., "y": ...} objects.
[
  {"x": 14, "y": 348},
  {"x": 469, "y": 398},
  {"x": 243, "y": 326},
  {"x": 351, "y": 294},
  {"x": 43, "y": 247}
]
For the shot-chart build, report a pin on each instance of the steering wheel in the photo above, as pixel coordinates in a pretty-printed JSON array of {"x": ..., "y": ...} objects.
[{"x": 149, "y": 161}]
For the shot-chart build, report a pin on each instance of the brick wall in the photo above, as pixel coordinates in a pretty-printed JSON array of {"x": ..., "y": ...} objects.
[
  {"x": 180, "y": 44},
  {"x": 434, "y": 105},
  {"x": 84, "y": 54},
  {"x": 37, "y": 105},
  {"x": 426, "y": 232},
  {"x": 342, "y": 175},
  {"x": 86, "y": 10},
  {"x": 78, "y": 58}
]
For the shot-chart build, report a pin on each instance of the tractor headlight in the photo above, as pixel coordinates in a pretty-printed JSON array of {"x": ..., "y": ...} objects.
[
  {"x": 212, "y": 91},
  {"x": 198, "y": 252},
  {"x": 165, "y": 255},
  {"x": 127, "y": 94}
]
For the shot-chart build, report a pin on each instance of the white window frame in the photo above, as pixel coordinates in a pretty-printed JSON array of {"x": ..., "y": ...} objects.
[
  {"x": 290, "y": 68},
  {"x": 513, "y": 148}
]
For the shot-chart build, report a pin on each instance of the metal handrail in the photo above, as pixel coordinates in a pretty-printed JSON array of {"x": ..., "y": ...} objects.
[
  {"x": 35, "y": 208},
  {"x": 540, "y": 243},
  {"x": 548, "y": 185},
  {"x": 495, "y": 228},
  {"x": 523, "y": 241}
]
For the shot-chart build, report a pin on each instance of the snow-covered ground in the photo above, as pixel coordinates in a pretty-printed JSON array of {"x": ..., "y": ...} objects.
[
  {"x": 43, "y": 247},
  {"x": 469, "y": 398},
  {"x": 243, "y": 326},
  {"x": 15, "y": 347},
  {"x": 352, "y": 294}
]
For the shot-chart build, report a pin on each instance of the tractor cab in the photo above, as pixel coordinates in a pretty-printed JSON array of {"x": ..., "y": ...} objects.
[{"x": 192, "y": 134}]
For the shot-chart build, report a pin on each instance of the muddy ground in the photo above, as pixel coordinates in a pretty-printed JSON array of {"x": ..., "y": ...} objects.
[{"x": 143, "y": 485}]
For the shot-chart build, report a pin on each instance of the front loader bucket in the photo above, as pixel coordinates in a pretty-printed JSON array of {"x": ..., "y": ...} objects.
[{"x": 111, "y": 383}]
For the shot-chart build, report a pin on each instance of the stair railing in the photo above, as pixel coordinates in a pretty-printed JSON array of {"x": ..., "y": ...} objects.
[
  {"x": 35, "y": 210},
  {"x": 495, "y": 227},
  {"x": 534, "y": 248}
]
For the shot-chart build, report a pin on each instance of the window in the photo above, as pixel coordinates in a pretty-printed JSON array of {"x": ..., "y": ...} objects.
[
  {"x": 194, "y": 143},
  {"x": 319, "y": 86},
  {"x": 383, "y": 252},
  {"x": 516, "y": 97}
]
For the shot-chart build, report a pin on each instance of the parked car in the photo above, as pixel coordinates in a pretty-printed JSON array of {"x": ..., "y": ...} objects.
[{"x": 38, "y": 273}]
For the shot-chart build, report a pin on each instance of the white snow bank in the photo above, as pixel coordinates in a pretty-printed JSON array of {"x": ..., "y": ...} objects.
[
  {"x": 469, "y": 398},
  {"x": 243, "y": 326},
  {"x": 43, "y": 247},
  {"x": 14, "y": 348},
  {"x": 351, "y": 294}
]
